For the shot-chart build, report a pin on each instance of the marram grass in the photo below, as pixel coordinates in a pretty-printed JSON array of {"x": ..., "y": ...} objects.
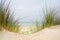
[
  {"x": 50, "y": 18},
  {"x": 7, "y": 19}
]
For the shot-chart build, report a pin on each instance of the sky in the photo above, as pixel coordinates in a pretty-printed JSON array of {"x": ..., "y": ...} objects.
[{"x": 30, "y": 10}]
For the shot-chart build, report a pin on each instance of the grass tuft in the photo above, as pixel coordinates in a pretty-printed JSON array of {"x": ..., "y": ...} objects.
[{"x": 7, "y": 19}]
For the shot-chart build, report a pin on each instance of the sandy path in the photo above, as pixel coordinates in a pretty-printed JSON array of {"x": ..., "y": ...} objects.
[{"x": 46, "y": 34}]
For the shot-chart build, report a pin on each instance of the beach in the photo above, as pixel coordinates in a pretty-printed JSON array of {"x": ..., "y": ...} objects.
[{"x": 52, "y": 33}]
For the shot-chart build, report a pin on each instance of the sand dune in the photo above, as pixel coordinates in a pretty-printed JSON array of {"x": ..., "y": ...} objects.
[{"x": 52, "y": 33}]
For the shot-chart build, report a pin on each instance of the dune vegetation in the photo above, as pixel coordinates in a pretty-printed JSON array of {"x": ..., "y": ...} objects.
[
  {"x": 50, "y": 19},
  {"x": 7, "y": 18},
  {"x": 8, "y": 22}
]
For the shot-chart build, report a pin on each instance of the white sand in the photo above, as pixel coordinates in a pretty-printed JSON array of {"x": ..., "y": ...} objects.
[{"x": 52, "y": 33}]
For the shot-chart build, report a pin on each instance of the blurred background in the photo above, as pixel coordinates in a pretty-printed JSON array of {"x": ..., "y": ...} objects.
[{"x": 29, "y": 10}]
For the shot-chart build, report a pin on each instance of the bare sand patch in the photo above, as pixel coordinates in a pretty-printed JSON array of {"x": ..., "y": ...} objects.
[{"x": 45, "y": 34}]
